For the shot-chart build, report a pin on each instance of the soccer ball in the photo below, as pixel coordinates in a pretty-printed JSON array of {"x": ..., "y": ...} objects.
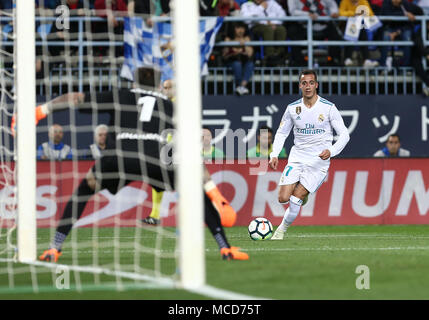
[{"x": 260, "y": 229}]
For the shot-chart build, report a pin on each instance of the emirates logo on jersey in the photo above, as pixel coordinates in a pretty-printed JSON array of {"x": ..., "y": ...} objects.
[
  {"x": 321, "y": 118},
  {"x": 298, "y": 110}
]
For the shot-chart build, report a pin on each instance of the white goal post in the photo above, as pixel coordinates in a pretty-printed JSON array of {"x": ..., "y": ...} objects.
[
  {"x": 25, "y": 84},
  {"x": 188, "y": 118}
]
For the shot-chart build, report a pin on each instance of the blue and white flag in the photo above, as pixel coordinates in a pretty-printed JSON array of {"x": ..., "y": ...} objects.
[
  {"x": 372, "y": 23},
  {"x": 353, "y": 27},
  {"x": 356, "y": 24},
  {"x": 151, "y": 46}
]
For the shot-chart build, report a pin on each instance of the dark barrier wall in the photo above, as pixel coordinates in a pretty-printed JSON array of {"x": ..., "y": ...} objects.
[
  {"x": 356, "y": 192},
  {"x": 370, "y": 119}
]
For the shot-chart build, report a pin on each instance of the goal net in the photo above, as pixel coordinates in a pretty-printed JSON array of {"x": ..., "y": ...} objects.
[{"x": 102, "y": 237}]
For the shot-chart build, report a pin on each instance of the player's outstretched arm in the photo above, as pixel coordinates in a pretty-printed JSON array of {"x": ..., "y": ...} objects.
[
  {"x": 68, "y": 100},
  {"x": 65, "y": 101}
]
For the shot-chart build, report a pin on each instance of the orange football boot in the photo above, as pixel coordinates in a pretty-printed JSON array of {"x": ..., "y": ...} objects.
[{"x": 233, "y": 253}]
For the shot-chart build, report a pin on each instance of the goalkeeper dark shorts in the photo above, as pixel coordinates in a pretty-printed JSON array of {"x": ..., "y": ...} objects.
[{"x": 115, "y": 172}]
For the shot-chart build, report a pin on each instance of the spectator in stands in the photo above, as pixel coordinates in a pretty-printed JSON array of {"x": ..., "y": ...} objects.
[
  {"x": 416, "y": 63},
  {"x": 283, "y": 4},
  {"x": 47, "y": 5},
  {"x": 270, "y": 30},
  {"x": 227, "y": 8},
  {"x": 149, "y": 7},
  {"x": 6, "y": 28},
  {"x": 424, "y": 4},
  {"x": 111, "y": 9},
  {"x": 376, "y": 6},
  {"x": 392, "y": 149},
  {"x": 156, "y": 7},
  {"x": 105, "y": 30},
  {"x": 44, "y": 8},
  {"x": 265, "y": 145},
  {"x": 240, "y": 59},
  {"x": 100, "y": 138},
  {"x": 168, "y": 89},
  {"x": 54, "y": 149},
  {"x": 59, "y": 32},
  {"x": 351, "y": 8},
  {"x": 377, "y": 35},
  {"x": 418, "y": 51},
  {"x": 396, "y": 30},
  {"x": 210, "y": 151},
  {"x": 321, "y": 30},
  {"x": 6, "y": 5},
  {"x": 208, "y": 8}
]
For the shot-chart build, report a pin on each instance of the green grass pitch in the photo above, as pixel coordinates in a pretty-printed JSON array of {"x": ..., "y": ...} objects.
[{"x": 313, "y": 262}]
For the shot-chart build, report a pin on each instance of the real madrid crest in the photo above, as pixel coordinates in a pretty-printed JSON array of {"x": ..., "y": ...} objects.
[
  {"x": 321, "y": 117},
  {"x": 298, "y": 110}
]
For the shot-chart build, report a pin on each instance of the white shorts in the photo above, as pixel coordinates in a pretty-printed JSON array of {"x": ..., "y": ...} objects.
[{"x": 311, "y": 178}]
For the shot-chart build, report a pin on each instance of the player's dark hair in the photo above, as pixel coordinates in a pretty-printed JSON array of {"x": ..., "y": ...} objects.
[
  {"x": 147, "y": 77},
  {"x": 240, "y": 24},
  {"x": 306, "y": 72},
  {"x": 207, "y": 128},
  {"x": 394, "y": 135},
  {"x": 267, "y": 128}
]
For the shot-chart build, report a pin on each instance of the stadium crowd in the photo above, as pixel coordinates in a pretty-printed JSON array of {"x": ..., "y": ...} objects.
[{"x": 242, "y": 59}]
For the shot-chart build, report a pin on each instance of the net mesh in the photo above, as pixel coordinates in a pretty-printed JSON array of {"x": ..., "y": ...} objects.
[
  {"x": 8, "y": 200},
  {"x": 82, "y": 50}
]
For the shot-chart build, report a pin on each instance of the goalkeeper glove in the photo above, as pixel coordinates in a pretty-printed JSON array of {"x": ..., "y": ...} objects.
[
  {"x": 227, "y": 214},
  {"x": 41, "y": 113}
]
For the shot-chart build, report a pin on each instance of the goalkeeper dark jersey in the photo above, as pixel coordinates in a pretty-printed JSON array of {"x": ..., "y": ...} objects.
[
  {"x": 139, "y": 124},
  {"x": 139, "y": 119}
]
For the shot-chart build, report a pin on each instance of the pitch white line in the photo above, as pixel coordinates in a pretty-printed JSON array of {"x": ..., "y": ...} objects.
[
  {"x": 338, "y": 249},
  {"x": 333, "y": 236},
  {"x": 368, "y": 235},
  {"x": 321, "y": 235},
  {"x": 217, "y": 293},
  {"x": 158, "y": 282},
  {"x": 416, "y": 248}
]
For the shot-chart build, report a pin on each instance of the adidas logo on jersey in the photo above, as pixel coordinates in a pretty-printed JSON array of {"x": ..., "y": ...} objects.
[{"x": 298, "y": 118}]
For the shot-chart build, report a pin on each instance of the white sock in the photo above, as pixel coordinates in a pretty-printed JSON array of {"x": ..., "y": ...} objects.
[
  {"x": 291, "y": 212},
  {"x": 284, "y": 225}
]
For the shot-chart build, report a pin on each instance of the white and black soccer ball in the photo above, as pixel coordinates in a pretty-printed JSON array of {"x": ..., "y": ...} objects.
[{"x": 260, "y": 229}]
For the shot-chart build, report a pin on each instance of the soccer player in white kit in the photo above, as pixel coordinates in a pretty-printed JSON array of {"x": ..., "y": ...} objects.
[{"x": 312, "y": 119}]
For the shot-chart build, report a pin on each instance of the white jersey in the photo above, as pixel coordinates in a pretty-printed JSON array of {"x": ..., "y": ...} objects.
[{"x": 313, "y": 130}]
